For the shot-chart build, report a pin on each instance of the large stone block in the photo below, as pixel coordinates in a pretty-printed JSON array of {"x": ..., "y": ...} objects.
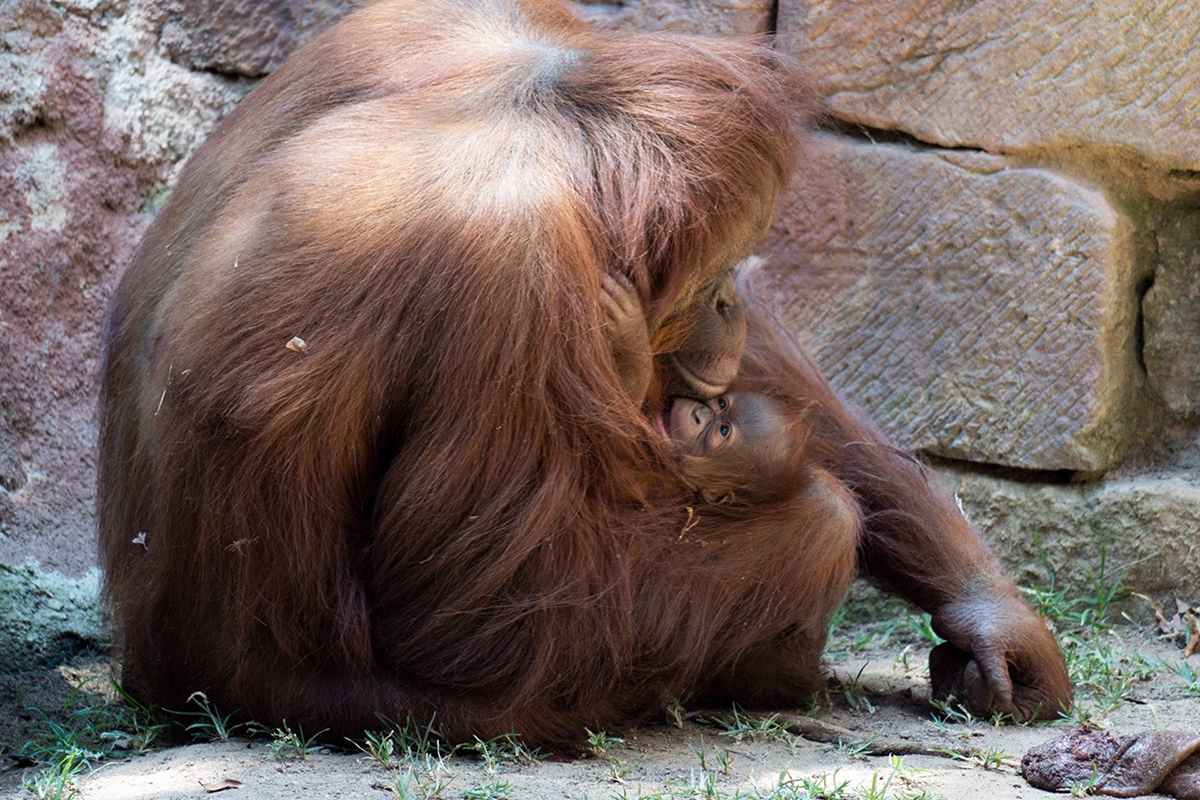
[
  {"x": 718, "y": 18},
  {"x": 1145, "y": 527},
  {"x": 1006, "y": 75},
  {"x": 1172, "y": 314},
  {"x": 977, "y": 309}
]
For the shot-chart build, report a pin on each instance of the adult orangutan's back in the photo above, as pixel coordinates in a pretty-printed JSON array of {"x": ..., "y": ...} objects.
[{"x": 364, "y": 449}]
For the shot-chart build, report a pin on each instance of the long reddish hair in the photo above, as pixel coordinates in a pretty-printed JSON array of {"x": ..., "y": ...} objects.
[{"x": 439, "y": 498}]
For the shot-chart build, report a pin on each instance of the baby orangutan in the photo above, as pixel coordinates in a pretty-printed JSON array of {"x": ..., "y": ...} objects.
[
  {"x": 781, "y": 460},
  {"x": 736, "y": 448},
  {"x": 744, "y": 456}
]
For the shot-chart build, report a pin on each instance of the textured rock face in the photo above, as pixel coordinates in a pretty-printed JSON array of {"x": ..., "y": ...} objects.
[
  {"x": 253, "y": 37},
  {"x": 1172, "y": 314},
  {"x": 1147, "y": 527},
  {"x": 245, "y": 37},
  {"x": 712, "y": 18},
  {"x": 46, "y": 618},
  {"x": 92, "y": 125},
  {"x": 976, "y": 309},
  {"x": 1007, "y": 75}
]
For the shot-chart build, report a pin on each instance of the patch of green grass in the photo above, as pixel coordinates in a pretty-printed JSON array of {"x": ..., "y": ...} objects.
[
  {"x": 894, "y": 784},
  {"x": 852, "y": 747},
  {"x": 422, "y": 778},
  {"x": 492, "y": 787},
  {"x": 399, "y": 745},
  {"x": 674, "y": 713},
  {"x": 1075, "y": 609},
  {"x": 823, "y": 787},
  {"x": 382, "y": 748},
  {"x": 946, "y": 714},
  {"x": 898, "y": 783},
  {"x": 505, "y": 747},
  {"x": 882, "y": 622},
  {"x": 1102, "y": 670},
  {"x": 90, "y": 727},
  {"x": 619, "y": 770},
  {"x": 724, "y": 758},
  {"x": 991, "y": 759},
  {"x": 85, "y": 729},
  {"x": 1086, "y": 787}
]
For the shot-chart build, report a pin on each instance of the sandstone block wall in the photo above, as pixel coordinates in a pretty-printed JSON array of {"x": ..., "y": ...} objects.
[
  {"x": 994, "y": 247},
  {"x": 996, "y": 251},
  {"x": 979, "y": 308}
]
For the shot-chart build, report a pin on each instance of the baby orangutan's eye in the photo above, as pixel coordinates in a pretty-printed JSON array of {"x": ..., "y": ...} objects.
[
  {"x": 724, "y": 431},
  {"x": 721, "y": 403}
]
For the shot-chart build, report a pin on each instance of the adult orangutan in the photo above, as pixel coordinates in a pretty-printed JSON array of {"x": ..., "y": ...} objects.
[{"x": 366, "y": 450}]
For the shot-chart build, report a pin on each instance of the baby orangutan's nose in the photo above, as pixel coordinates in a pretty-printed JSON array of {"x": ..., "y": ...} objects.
[{"x": 701, "y": 414}]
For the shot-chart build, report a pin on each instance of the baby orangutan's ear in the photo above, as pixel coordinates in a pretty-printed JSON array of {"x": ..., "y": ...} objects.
[{"x": 716, "y": 497}]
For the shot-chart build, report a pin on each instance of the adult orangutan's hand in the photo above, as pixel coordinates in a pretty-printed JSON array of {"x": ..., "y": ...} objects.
[{"x": 999, "y": 656}]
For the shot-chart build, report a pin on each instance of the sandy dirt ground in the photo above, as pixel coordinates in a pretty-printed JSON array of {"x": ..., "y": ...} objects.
[{"x": 877, "y": 704}]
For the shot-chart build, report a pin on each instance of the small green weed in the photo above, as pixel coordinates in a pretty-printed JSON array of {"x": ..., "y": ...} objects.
[
  {"x": 506, "y": 747},
  {"x": 674, "y": 713},
  {"x": 422, "y": 778},
  {"x": 824, "y": 786},
  {"x": 599, "y": 742},
  {"x": 991, "y": 759},
  {"x": 381, "y": 747},
  {"x": 1187, "y": 676},
  {"x": 287, "y": 744},
  {"x": 57, "y": 782},
  {"x": 619, "y": 770},
  {"x": 724, "y": 758},
  {"x": 88, "y": 728},
  {"x": 852, "y": 692},
  {"x": 210, "y": 724},
  {"x": 491, "y": 787},
  {"x": 744, "y": 726}
]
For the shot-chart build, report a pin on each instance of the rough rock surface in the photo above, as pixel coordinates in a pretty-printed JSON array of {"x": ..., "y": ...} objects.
[
  {"x": 976, "y": 309},
  {"x": 1147, "y": 527},
  {"x": 1172, "y": 316},
  {"x": 244, "y": 37},
  {"x": 253, "y": 37},
  {"x": 92, "y": 126},
  {"x": 718, "y": 17},
  {"x": 46, "y": 618},
  {"x": 1010, "y": 75}
]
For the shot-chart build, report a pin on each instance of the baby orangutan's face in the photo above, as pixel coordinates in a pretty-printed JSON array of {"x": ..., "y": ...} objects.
[{"x": 732, "y": 423}]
